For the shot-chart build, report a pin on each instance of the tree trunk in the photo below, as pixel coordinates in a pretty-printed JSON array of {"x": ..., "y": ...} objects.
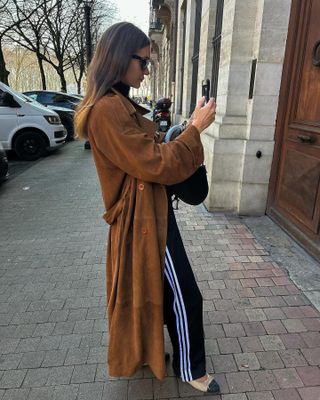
[
  {"x": 4, "y": 73},
  {"x": 42, "y": 74},
  {"x": 62, "y": 80}
]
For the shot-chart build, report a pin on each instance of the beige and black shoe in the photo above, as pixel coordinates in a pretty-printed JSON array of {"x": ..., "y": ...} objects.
[{"x": 208, "y": 385}]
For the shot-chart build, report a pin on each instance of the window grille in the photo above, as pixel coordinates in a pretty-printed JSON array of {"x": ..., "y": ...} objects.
[
  {"x": 195, "y": 57},
  {"x": 216, "y": 44}
]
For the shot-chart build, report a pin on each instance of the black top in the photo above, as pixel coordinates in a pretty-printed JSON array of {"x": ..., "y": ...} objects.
[{"x": 122, "y": 88}]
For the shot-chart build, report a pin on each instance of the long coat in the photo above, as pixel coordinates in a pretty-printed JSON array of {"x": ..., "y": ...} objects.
[{"x": 133, "y": 169}]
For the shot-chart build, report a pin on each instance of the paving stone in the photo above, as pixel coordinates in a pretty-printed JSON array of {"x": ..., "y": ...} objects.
[
  {"x": 255, "y": 315},
  {"x": 264, "y": 380},
  {"x": 238, "y": 396},
  {"x": 312, "y": 356},
  {"x": 292, "y": 358},
  {"x": 50, "y": 342},
  {"x": 91, "y": 340},
  {"x": 102, "y": 374},
  {"x": 311, "y": 338},
  {"x": 272, "y": 342},
  {"x": 58, "y": 315},
  {"x": 68, "y": 341},
  {"x": 237, "y": 316},
  {"x": 70, "y": 392},
  {"x": 254, "y": 328},
  {"x": 60, "y": 375},
  {"x": 10, "y": 361},
  {"x": 234, "y": 330},
  {"x": 36, "y": 377},
  {"x": 293, "y": 341},
  {"x": 16, "y": 394},
  {"x": 250, "y": 344},
  {"x": 84, "y": 373},
  {"x": 229, "y": 345},
  {"x": 41, "y": 393},
  {"x": 294, "y": 325},
  {"x": 286, "y": 394},
  {"x": 100, "y": 325},
  {"x": 168, "y": 388},
  {"x": 218, "y": 317},
  {"x": 97, "y": 355},
  {"x": 140, "y": 389},
  {"x": 260, "y": 396},
  {"x": 83, "y": 326},
  {"x": 310, "y": 376},
  {"x": 44, "y": 329},
  {"x": 24, "y": 331},
  {"x": 88, "y": 391},
  {"x": 269, "y": 360},
  {"x": 214, "y": 331},
  {"x": 63, "y": 328},
  {"x": 247, "y": 361},
  {"x": 274, "y": 313},
  {"x": 312, "y": 324},
  {"x": 54, "y": 358},
  {"x": 239, "y": 382},
  {"x": 32, "y": 359},
  {"x": 274, "y": 327},
  {"x": 287, "y": 378},
  {"x": 12, "y": 379},
  {"x": 77, "y": 356},
  {"x": 310, "y": 393},
  {"x": 116, "y": 390},
  {"x": 223, "y": 363}
]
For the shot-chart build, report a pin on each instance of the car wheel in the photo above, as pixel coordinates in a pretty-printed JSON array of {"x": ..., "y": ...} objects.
[{"x": 30, "y": 146}]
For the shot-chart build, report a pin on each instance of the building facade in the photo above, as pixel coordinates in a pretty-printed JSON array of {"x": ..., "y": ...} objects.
[{"x": 260, "y": 59}]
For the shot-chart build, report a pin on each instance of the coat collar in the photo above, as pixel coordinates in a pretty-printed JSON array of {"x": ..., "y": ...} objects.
[{"x": 131, "y": 106}]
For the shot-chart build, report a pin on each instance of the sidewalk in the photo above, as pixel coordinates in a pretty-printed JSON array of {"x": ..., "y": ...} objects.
[{"x": 262, "y": 332}]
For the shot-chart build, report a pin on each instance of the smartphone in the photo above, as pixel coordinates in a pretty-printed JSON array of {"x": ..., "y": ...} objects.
[{"x": 206, "y": 89}]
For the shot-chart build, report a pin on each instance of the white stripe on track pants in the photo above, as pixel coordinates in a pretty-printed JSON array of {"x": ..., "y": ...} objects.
[{"x": 183, "y": 311}]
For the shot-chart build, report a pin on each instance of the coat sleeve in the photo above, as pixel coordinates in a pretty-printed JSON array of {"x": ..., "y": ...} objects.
[{"x": 117, "y": 136}]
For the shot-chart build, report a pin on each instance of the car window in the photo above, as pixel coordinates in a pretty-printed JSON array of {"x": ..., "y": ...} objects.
[
  {"x": 46, "y": 97},
  {"x": 32, "y": 96},
  {"x": 1, "y": 98}
]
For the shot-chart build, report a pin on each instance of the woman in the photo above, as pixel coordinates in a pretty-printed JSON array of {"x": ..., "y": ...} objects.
[{"x": 149, "y": 278}]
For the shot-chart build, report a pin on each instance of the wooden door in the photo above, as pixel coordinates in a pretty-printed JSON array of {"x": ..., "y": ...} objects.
[{"x": 294, "y": 191}]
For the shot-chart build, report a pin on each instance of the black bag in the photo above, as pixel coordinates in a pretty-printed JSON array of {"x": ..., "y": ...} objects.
[{"x": 194, "y": 189}]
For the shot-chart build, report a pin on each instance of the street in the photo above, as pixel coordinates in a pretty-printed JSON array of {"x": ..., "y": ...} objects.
[{"x": 261, "y": 329}]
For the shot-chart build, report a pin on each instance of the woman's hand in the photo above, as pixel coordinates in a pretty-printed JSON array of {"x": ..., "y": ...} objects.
[{"x": 204, "y": 115}]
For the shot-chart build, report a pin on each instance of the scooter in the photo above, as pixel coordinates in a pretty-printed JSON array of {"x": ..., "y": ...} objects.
[{"x": 161, "y": 114}]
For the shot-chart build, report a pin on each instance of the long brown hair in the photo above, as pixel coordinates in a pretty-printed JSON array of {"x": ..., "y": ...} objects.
[{"x": 108, "y": 66}]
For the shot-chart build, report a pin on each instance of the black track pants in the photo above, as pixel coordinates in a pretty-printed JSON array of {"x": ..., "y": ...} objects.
[{"x": 183, "y": 311}]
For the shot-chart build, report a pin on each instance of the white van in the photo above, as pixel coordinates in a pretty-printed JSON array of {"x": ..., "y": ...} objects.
[{"x": 26, "y": 126}]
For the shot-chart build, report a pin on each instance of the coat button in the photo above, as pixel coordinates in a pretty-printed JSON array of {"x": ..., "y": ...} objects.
[
  {"x": 141, "y": 186},
  {"x": 144, "y": 230}
]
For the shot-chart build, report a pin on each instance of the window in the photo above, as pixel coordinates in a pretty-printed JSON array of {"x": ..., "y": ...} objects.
[
  {"x": 195, "y": 57},
  {"x": 216, "y": 43}
]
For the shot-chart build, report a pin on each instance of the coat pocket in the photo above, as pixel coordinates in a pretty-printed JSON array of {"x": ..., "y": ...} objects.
[{"x": 111, "y": 215}]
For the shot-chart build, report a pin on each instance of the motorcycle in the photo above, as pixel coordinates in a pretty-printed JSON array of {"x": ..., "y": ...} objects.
[{"x": 161, "y": 114}]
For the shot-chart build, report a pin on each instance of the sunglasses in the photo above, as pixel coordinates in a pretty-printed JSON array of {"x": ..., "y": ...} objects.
[{"x": 144, "y": 63}]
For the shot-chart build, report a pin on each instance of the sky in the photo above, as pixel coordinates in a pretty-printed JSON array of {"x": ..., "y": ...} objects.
[{"x": 135, "y": 11}]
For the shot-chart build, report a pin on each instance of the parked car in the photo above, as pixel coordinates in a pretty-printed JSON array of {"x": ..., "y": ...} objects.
[
  {"x": 4, "y": 168},
  {"x": 27, "y": 127},
  {"x": 52, "y": 98},
  {"x": 66, "y": 116}
]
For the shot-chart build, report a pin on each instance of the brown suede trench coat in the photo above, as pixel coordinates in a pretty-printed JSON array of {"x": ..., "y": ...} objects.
[{"x": 133, "y": 169}]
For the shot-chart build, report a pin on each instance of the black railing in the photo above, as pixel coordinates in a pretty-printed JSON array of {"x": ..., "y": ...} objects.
[
  {"x": 216, "y": 44},
  {"x": 195, "y": 57}
]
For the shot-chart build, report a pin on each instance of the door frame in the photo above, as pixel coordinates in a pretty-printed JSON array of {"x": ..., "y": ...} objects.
[{"x": 298, "y": 15}]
